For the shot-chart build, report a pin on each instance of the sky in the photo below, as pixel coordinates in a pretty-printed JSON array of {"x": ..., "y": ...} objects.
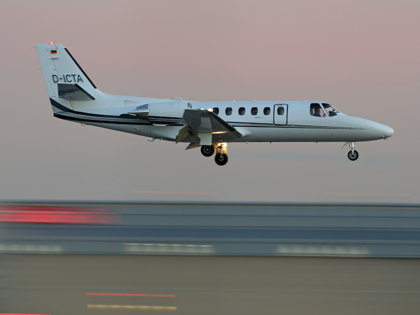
[{"x": 361, "y": 56}]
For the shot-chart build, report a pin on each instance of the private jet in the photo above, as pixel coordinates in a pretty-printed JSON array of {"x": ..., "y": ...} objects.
[{"x": 208, "y": 125}]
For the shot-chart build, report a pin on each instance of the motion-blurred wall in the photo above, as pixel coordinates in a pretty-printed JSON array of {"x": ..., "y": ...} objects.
[{"x": 209, "y": 258}]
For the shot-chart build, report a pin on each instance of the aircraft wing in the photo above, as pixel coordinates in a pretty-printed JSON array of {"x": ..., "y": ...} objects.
[
  {"x": 204, "y": 121},
  {"x": 205, "y": 125}
]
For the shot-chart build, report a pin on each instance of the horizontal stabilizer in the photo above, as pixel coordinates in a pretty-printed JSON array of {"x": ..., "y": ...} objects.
[{"x": 73, "y": 92}]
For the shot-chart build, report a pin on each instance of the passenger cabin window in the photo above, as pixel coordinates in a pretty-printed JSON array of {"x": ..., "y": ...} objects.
[
  {"x": 241, "y": 110},
  {"x": 280, "y": 110},
  {"x": 267, "y": 110},
  {"x": 216, "y": 110},
  {"x": 316, "y": 110},
  {"x": 254, "y": 111},
  {"x": 228, "y": 111},
  {"x": 331, "y": 111}
]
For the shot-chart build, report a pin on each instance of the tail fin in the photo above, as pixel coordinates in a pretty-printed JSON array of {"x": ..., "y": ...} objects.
[{"x": 65, "y": 79}]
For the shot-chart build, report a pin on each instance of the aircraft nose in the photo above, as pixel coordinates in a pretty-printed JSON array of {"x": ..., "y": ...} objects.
[
  {"x": 388, "y": 131},
  {"x": 371, "y": 129},
  {"x": 383, "y": 131}
]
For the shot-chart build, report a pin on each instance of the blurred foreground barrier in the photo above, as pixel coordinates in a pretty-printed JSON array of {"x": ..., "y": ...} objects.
[
  {"x": 36, "y": 249},
  {"x": 341, "y": 251},
  {"x": 174, "y": 249},
  {"x": 156, "y": 228}
]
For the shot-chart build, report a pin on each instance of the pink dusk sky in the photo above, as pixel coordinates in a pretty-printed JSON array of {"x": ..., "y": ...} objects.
[{"x": 361, "y": 56}]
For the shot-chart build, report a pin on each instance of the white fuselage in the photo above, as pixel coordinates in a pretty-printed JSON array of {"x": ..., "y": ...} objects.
[{"x": 295, "y": 125}]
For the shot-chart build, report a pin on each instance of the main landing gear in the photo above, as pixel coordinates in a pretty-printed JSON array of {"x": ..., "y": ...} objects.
[
  {"x": 207, "y": 150},
  {"x": 353, "y": 155},
  {"x": 221, "y": 157}
]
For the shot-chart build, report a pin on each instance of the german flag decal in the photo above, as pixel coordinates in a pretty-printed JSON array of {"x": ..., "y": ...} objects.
[{"x": 53, "y": 52}]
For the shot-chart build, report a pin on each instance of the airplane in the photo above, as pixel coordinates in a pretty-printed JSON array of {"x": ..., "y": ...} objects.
[{"x": 208, "y": 125}]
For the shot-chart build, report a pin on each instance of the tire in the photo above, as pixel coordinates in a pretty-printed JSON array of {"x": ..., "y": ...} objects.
[
  {"x": 207, "y": 150},
  {"x": 353, "y": 157},
  {"x": 221, "y": 159}
]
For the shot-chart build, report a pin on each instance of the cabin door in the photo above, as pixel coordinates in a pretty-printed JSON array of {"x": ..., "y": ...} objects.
[{"x": 280, "y": 114}]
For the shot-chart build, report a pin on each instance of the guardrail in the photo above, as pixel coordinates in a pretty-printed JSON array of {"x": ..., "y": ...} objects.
[{"x": 344, "y": 230}]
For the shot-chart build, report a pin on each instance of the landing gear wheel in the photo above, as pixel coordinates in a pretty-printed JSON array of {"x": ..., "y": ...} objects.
[
  {"x": 221, "y": 159},
  {"x": 207, "y": 150},
  {"x": 353, "y": 156}
]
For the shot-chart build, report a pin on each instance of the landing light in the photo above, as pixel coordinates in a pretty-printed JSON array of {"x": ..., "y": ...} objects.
[
  {"x": 218, "y": 132},
  {"x": 210, "y": 109}
]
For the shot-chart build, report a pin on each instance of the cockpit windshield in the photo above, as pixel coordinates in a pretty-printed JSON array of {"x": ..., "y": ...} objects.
[
  {"x": 324, "y": 110},
  {"x": 316, "y": 110},
  {"x": 331, "y": 111}
]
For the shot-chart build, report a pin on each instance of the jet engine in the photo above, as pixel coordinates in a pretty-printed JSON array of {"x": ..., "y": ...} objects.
[{"x": 161, "y": 113}]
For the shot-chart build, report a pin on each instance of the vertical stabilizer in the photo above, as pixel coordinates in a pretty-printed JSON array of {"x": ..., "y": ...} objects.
[{"x": 66, "y": 81}]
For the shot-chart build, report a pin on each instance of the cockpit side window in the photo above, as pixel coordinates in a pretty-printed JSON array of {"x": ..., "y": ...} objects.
[
  {"x": 331, "y": 111},
  {"x": 216, "y": 110},
  {"x": 316, "y": 110}
]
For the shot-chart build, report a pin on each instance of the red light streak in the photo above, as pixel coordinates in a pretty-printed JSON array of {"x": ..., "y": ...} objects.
[
  {"x": 21, "y": 314},
  {"x": 129, "y": 294},
  {"x": 368, "y": 194},
  {"x": 56, "y": 215},
  {"x": 131, "y": 307},
  {"x": 174, "y": 192}
]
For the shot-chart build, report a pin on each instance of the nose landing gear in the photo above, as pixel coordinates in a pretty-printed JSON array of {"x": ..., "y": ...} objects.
[{"x": 353, "y": 155}]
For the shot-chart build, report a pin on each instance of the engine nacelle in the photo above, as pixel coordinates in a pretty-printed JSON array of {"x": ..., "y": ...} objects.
[{"x": 162, "y": 113}]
